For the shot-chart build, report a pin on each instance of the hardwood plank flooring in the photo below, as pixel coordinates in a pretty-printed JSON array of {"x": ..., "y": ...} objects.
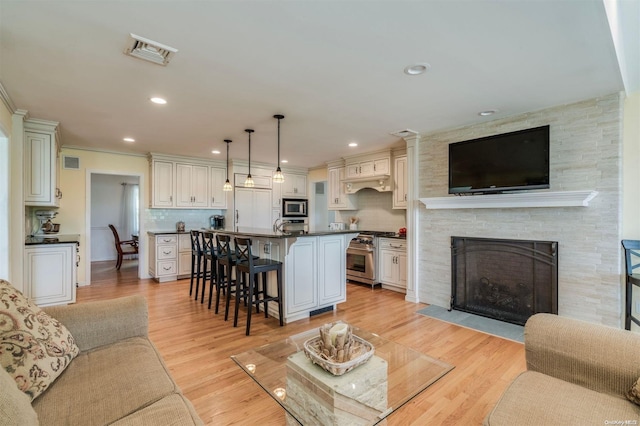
[{"x": 196, "y": 344}]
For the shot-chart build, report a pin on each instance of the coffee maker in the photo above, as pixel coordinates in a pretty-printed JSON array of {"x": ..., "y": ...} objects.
[{"x": 216, "y": 221}]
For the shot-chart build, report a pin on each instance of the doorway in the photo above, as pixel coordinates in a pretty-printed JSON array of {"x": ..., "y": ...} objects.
[{"x": 113, "y": 198}]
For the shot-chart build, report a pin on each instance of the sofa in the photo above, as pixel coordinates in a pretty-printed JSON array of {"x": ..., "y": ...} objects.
[
  {"x": 577, "y": 374},
  {"x": 116, "y": 376}
]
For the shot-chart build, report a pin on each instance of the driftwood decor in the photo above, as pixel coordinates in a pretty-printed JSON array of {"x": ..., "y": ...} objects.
[{"x": 337, "y": 349}]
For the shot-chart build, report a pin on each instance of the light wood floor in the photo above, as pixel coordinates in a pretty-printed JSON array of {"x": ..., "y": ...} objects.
[{"x": 196, "y": 344}]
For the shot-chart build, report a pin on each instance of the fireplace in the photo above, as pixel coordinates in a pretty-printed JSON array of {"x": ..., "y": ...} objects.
[{"x": 508, "y": 280}]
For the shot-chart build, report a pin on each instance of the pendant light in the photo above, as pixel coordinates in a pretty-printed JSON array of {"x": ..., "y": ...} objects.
[
  {"x": 227, "y": 185},
  {"x": 248, "y": 183},
  {"x": 278, "y": 177}
]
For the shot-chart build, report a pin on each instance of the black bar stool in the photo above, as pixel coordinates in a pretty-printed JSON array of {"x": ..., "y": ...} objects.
[
  {"x": 248, "y": 270},
  {"x": 209, "y": 258},
  {"x": 196, "y": 260},
  {"x": 226, "y": 263}
]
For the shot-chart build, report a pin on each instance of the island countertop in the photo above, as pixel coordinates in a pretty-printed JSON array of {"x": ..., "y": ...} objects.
[{"x": 259, "y": 232}]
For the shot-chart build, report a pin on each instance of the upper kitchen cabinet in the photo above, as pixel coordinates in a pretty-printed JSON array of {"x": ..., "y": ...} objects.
[
  {"x": 369, "y": 165},
  {"x": 400, "y": 182},
  {"x": 185, "y": 183},
  {"x": 338, "y": 199},
  {"x": 294, "y": 185},
  {"x": 41, "y": 147},
  {"x": 218, "y": 176},
  {"x": 192, "y": 183}
]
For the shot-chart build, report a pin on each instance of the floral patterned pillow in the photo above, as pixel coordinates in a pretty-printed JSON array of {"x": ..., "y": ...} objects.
[
  {"x": 634, "y": 393},
  {"x": 34, "y": 347}
]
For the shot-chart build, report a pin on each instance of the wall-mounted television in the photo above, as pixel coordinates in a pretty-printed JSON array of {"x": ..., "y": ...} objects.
[{"x": 506, "y": 162}]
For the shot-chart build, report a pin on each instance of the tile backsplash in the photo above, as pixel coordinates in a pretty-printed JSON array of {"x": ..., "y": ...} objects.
[
  {"x": 374, "y": 212},
  {"x": 166, "y": 219}
]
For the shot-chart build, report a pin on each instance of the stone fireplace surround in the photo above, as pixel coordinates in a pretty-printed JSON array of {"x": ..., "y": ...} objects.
[{"x": 586, "y": 144}]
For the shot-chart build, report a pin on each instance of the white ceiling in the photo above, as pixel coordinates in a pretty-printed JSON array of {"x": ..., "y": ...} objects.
[{"x": 333, "y": 68}]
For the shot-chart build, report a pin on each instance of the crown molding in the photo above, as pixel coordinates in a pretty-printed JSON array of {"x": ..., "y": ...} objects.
[{"x": 6, "y": 99}]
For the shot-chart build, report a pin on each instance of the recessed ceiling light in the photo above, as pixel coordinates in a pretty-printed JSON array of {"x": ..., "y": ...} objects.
[
  {"x": 129, "y": 139},
  {"x": 284, "y": 161},
  {"x": 158, "y": 101},
  {"x": 353, "y": 144},
  {"x": 417, "y": 69},
  {"x": 487, "y": 112},
  {"x": 215, "y": 151}
]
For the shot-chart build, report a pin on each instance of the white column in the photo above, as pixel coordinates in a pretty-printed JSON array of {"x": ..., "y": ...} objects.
[{"x": 413, "y": 215}]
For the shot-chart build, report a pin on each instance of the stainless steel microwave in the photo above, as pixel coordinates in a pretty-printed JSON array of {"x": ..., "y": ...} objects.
[{"x": 294, "y": 207}]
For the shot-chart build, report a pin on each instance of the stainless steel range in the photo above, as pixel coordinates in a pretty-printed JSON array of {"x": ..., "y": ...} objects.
[{"x": 361, "y": 257}]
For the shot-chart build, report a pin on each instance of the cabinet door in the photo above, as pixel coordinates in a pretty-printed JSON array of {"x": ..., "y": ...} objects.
[
  {"x": 332, "y": 284},
  {"x": 382, "y": 167},
  {"x": 353, "y": 170},
  {"x": 243, "y": 205},
  {"x": 294, "y": 186},
  {"x": 401, "y": 262},
  {"x": 50, "y": 274},
  {"x": 184, "y": 196},
  {"x": 162, "y": 195},
  {"x": 366, "y": 169},
  {"x": 388, "y": 268},
  {"x": 40, "y": 156},
  {"x": 200, "y": 186},
  {"x": 302, "y": 282},
  {"x": 337, "y": 199},
  {"x": 400, "y": 183},
  {"x": 261, "y": 213},
  {"x": 218, "y": 196},
  {"x": 276, "y": 194}
]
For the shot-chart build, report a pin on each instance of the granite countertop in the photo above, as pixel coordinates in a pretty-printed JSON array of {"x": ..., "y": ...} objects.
[
  {"x": 37, "y": 239},
  {"x": 269, "y": 233}
]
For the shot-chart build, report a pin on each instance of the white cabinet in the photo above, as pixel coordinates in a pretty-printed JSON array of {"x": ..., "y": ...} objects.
[
  {"x": 162, "y": 184},
  {"x": 337, "y": 198},
  {"x": 163, "y": 257},
  {"x": 184, "y": 255},
  {"x": 218, "y": 176},
  {"x": 252, "y": 208},
  {"x": 41, "y": 164},
  {"x": 51, "y": 273},
  {"x": 400, "y": 183},
  {"x": 276, "y": 196},
  {"x": 315, "y": 274},
  {"x": 301, "y": 276},
  {"x": 392, "y": 260},
  {"x": 332, "y": 257},
  {"x": 376, "y": 167},
  {"x": 294, "y": 185},
  {"x": 192, "y": 186},
  {"x": 178, "y": 182}
]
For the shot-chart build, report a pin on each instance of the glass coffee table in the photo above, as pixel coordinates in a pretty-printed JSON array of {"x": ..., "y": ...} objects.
[{"x": 363, "y": 396}]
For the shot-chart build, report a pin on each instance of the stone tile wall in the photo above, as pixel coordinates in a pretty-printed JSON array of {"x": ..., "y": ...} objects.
[{"x": 586, "y": 150}]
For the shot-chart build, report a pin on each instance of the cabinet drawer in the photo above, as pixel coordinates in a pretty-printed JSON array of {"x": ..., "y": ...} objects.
[
  {"x": 166, "y": 252},
  {"x": 393, "y": 244},
  {"x": 166, "y": 267},
  {"x": 166, "y": 239}
]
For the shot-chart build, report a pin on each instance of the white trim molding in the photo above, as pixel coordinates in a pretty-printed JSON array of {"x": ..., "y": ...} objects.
[{"x": 513, "y": 200}]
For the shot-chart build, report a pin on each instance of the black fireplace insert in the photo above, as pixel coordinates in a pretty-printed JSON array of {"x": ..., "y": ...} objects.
[{"x": 508, "y": 280}]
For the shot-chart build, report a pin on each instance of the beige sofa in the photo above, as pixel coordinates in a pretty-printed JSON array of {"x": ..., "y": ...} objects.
[
  {"x": 118, "y": 377},
  {"x": 577, "y": 374}
]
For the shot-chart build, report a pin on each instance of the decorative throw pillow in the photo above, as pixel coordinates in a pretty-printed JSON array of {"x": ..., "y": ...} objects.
[
  {"x": 34, "y": 347},
  {"x": 634, "y": 393}
]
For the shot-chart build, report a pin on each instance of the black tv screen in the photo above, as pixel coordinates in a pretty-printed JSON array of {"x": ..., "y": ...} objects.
[{"x": 506, "y": 162}]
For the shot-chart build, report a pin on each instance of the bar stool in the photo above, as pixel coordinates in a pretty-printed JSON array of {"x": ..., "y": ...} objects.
[
  {"x": 226, "y": 263},
  {"x": 196, "y": 261},
  {"x": 248, "y": 270},
  {"x": 209, "y": 258}
]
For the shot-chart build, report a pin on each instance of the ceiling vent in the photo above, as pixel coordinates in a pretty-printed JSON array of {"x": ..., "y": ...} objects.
[
  {"x": 404, "y": 133},
  {"x": 149, "y": 50}
]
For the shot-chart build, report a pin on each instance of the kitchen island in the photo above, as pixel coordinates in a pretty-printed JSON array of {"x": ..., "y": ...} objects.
[{"x": 314, "y": 268}]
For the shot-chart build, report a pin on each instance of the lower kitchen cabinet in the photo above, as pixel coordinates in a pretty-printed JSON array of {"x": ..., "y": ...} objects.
[
  {"x": 51, "y": 273},
  {"x": 163, "y": 257},
  {"x": 184, "y": 255},
  {"x": 392, "y": 256}
]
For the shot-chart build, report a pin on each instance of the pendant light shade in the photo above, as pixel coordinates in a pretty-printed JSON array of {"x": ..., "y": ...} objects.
[
  {"x": 278, "y": 177},
  {"x": 227, "y": 185},
  {"x": 248, "y": 183}
]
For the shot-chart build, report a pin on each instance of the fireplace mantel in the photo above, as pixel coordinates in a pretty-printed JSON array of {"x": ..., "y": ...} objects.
[{"x": 512, "y": 200}]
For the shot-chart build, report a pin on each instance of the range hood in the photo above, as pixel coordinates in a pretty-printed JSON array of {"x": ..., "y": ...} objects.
[{"x": 381, "y": 183}]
